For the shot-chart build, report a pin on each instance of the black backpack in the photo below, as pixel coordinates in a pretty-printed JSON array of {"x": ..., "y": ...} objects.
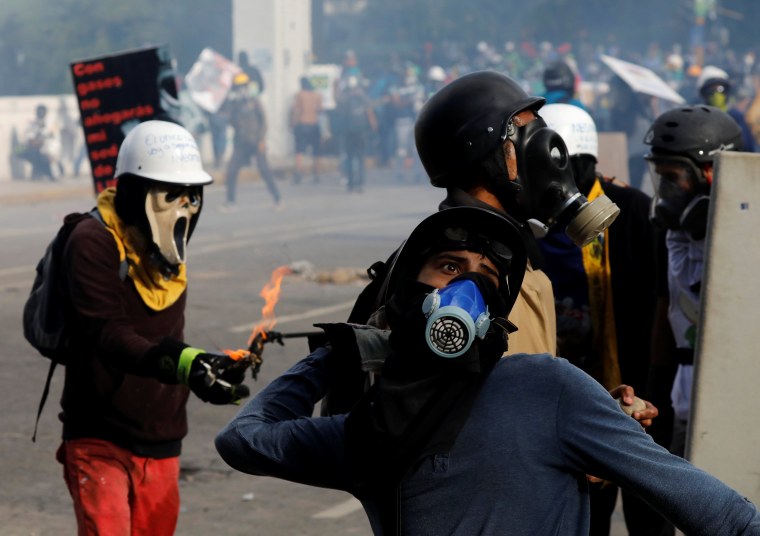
[
  {"x": 352, "y": 114},
  {"x": 45, "y": 309}
]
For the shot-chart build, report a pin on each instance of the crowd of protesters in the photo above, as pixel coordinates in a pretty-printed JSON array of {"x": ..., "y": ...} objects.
[{"x": 398, "y": 85}]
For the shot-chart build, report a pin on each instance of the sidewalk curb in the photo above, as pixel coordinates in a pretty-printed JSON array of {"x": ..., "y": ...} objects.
[{"x": 20, "y": 192}]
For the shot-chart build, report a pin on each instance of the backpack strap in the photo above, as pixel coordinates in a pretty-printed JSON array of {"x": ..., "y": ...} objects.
[
  {"x": 43, "y": 398},
  {"x": 124, "y": 266}
]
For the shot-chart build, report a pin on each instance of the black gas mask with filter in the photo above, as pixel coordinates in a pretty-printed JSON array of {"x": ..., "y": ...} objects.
[
  {"x": 460, "y": 135},
  {"x": 545, "y": 193}
]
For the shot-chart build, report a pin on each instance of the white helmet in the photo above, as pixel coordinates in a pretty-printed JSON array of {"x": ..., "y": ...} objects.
[
  {"x": 710, "y": 73},
  {"x": 575, "y": 126},
  {"x": 161, "y": 151},
  {"x": 436, "y": 74}
]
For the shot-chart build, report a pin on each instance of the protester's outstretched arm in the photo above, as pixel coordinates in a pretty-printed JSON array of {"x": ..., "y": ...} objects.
[
  {"x": 603, "y": 441},
  {"x": 276, "y": 435}
]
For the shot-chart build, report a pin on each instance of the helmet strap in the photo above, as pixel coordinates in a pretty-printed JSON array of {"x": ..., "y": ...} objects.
[{"x": 494, "y": 168}]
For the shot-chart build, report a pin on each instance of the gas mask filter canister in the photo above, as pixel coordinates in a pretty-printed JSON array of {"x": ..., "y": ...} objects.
[
  {"x": 456, "y": 314},
  {"x": 547, "y": 192}
]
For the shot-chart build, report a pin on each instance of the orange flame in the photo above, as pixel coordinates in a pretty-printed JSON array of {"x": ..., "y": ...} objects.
[
  {"x": 237, "y": 355},
  {"x": 271, "y": 294}
]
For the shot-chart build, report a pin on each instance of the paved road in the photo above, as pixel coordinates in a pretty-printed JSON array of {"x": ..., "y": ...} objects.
[{"x": 230, "y": 257}]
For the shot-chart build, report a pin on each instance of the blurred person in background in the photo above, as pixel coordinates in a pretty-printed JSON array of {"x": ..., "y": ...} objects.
[
  {"x": 245, "y": 114},
  {"x": 39, "y": 145},
  {"x": 717, "y": 90},
  {"x": 561, "y": 84},
  {"x": 436, "y": 79},
  {"x": 356, "y": 122},
  {"x": 253, "y": 72},
  {"x": 304, "y": 120},
  {"x": 406, "y": 99}
]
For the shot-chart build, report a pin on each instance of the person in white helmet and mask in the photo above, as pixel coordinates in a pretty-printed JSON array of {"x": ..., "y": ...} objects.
[
  {"x": 128, "y": 372},
  {"x": 605, "y": 296}
]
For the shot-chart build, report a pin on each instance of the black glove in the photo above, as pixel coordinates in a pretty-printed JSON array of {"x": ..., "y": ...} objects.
[{"x": 215, "y": 378}]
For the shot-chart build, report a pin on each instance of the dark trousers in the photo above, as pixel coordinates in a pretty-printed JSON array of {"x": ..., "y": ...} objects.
[
  {"x": 355, "y": 150},
  {"x": 241, "y": 157}
]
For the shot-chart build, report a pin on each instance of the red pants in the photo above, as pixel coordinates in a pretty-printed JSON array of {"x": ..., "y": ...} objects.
[{"x": 117, "y": 493}]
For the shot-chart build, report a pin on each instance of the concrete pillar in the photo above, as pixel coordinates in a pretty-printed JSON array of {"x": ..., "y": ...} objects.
[{"x": 276, "y": 34}]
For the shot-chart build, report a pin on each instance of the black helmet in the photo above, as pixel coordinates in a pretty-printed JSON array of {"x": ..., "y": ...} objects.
[
  {"x": 466, "y": 121},
  {"x": 559, "y": 77},
  {"x": 697, "y": 132},
  {"x": 472, "y": 228}
]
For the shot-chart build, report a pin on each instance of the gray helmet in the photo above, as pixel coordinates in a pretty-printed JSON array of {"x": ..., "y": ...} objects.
[
  {"x": 697, "y": 132},
  {"x": 466, "y": 121}
]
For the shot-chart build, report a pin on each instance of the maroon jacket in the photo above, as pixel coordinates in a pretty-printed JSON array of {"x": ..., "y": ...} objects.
[{"x": 108, "y": 392}]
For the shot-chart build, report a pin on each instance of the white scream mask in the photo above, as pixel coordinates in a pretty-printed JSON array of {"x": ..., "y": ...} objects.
[{"x": 170, "y": 210}]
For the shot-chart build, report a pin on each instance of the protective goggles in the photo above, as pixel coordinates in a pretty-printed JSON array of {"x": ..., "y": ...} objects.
[{"x": 457, "y": 238}]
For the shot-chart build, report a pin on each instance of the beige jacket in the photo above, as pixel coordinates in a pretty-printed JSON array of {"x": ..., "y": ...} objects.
[{"x": 534, "y": 315}]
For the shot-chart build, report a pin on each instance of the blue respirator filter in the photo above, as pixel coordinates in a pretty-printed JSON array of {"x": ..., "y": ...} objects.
[{"x": 456, "y": 314}]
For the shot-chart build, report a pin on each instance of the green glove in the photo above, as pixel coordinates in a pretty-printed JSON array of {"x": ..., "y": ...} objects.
[{"x": 215, "y": 378}]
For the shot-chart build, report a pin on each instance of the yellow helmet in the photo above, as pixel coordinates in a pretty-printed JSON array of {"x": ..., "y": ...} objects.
[{"x": 240, "y": 79}]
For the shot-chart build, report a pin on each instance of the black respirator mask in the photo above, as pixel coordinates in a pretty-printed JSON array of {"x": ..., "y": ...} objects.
[
  {"x": 545, "y": 193},
  {"x": 679, "y": 207}
]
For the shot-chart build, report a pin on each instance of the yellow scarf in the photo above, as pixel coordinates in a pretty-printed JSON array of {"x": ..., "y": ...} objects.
[
  {"x": 596, "y": 262},
  {"x": 156, "y": 292}
]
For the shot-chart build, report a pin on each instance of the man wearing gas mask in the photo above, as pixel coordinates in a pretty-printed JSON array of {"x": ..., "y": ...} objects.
[
  {"x": 128, "y": 373},
  {"x": 684, "y": 142},
  {"x": 452, "y": 438},
  {"x": 480, "y": 138}
]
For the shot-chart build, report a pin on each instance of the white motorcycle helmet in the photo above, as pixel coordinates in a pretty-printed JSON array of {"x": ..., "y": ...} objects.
[
  {"x": 163, "y": 152},
  {"x": 160, "y": 187},
  {"x": 575, "y": 126}
]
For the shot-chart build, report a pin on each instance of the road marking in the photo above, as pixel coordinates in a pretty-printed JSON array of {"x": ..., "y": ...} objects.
[
  {"x": 18, "y": 270},
  {"x": 283, "y": 236},
  {"x": 30, "y": 230},
  {"x": 319, "y": 311},
  {"x": 339, "y": 510}
]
